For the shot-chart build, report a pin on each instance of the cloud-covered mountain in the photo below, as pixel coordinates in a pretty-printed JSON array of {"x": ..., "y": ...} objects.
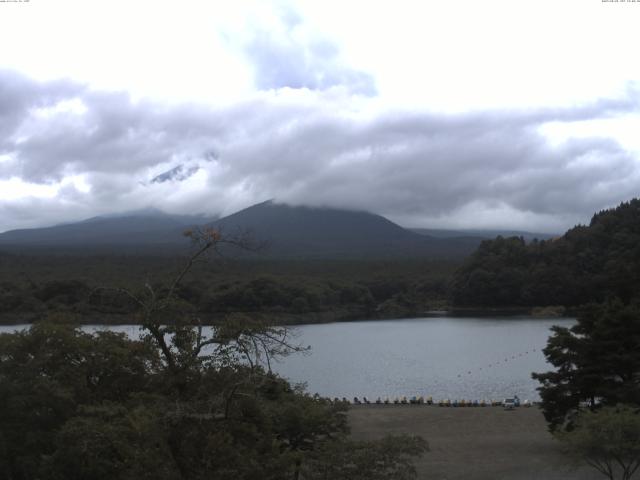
[
  {"x": 327, "y": 232},
  {"x": 285, "y": 231},
  {"x": 68, "y": 151}
]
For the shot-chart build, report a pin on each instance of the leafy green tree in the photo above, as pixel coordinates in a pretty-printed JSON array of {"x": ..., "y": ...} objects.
[
  {"x": 597, "y": 363},
  {"x": 48, "y": 373},
  {"x": 179, "y": 403},
  {"x": 608, "y": 440},
  {"x": 112, "y": 440}
]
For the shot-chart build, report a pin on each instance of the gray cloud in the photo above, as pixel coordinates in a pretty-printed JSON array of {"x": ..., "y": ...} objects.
[
  {"x": 19, "y": 94},
  {"x": 286, "y": 61},
  {"x": 418, "y": 168}
]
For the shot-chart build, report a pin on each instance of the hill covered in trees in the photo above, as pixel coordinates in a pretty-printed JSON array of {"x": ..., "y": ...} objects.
[{"x": 587, "y": 264}]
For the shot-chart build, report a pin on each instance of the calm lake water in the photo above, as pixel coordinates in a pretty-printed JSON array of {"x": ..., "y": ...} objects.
[
  {"x": 471, "y": 358},
  {"x": 456, "y": 358}
]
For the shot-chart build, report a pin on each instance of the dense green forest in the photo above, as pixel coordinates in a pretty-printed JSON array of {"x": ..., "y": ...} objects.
[
  {"x": 83, "y": 288},
  {"x": 587, "y": 264},
  {"x": 75, "y": 406},
  {"x": 177, "y": 403}
]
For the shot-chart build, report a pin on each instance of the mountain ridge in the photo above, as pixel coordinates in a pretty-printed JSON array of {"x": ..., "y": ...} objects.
[
  {"x": 289, "y": 231},
  {"x": 297, "y": 231}
]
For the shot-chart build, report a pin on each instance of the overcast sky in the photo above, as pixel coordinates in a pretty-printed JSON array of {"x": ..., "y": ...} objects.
[{"x": 494, "y": 114}]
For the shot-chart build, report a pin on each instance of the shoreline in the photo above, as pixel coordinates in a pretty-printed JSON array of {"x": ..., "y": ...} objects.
[{"x": 289, "y": 319}]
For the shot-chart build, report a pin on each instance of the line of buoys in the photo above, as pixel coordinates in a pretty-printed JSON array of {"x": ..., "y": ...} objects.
[
  {"x": 428, "y": 401},
  {"x": 499, "y": 362}
]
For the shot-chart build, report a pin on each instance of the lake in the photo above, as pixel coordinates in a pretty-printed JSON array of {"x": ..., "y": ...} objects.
[
  {"x": 471, "y": 358},
  {"x": 445, "y": 357}
]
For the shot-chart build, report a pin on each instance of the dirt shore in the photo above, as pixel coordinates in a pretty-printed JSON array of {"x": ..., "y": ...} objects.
[{"x": 473, "y": 443}]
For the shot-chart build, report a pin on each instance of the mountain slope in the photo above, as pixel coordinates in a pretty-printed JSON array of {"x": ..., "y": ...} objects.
[
  {"x": 287, "y": 231},
  {"x": 137, "y": 229},
  {"x": 326, "y": 232}
]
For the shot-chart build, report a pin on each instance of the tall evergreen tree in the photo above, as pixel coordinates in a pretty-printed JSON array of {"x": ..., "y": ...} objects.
[{"x": 597, "y": 363}]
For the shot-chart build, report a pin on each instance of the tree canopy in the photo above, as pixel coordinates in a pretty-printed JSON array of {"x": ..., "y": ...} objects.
[
  {"x": 608, "y": 440},
  {"x": 178, "y": 403},
  {"x": 597, "y": 363},
  {"x": 587, "y": 264}
]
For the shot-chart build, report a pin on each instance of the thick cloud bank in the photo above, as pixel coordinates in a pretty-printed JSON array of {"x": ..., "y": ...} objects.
[
  {"x": 283, "y": 57},
  {"x": 77, "y": 152}
]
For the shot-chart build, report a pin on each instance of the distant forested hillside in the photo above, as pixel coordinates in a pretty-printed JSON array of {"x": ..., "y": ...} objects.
[
  {"x": 587, "y": 264},
  {"x": 72, "y": 288}
]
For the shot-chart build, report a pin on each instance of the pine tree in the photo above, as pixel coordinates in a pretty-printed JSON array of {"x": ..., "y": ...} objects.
[{"x": 597, "y": 363}]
